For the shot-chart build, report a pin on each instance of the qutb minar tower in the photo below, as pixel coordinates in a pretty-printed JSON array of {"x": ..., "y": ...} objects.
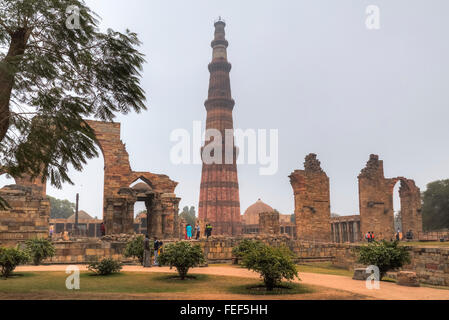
[{"x": 219, "y": 194}]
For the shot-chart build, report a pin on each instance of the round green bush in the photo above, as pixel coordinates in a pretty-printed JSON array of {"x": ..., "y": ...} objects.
[
  {"x": 39, "y": 249},
  {"x": 10, "y": 258},
  {"x": 105, "y": 267},
  {"x": 183, "y": 256}
]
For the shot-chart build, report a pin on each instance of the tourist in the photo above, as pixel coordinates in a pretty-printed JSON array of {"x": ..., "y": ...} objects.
[
  {"x": 103, "y": 229},
  {"x": 189, "y": 232},
  {"x": 52, "y": 229},
  {"x": 146, "y": 252},
  {"x": 372, "y": 236},
  {"x": 157, "y": 246},
  {"x": 198, "y": 230},
  {"x": 208, "y": 230},
  {"x": 397, "y": 235},
  {"x": 368, "y": 236}
]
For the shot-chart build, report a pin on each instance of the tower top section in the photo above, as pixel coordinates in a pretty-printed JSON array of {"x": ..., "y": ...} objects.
[{"x": 219, "y": 44}]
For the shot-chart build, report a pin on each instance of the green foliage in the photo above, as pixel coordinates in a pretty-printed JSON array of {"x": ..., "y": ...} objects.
[
  {"x": 183, "y": 256},
  {"x": 435, "y": 209},
  {"x": 61, "y": 209},
  {"x": 52, "y": 77},
  {"x": 105, "y": 267},
  {"x": 188, "y": 214},
  {"x": 245, "y": 246},
  {"x": 40, "y": 249},
  {"x": 273, "y": 264},
  {"x": 10, "y": 258},
  {"x": 135, "y": 248},
  {"x": 385, "y": 255}
]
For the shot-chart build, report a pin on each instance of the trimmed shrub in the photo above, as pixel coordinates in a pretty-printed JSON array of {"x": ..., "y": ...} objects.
[
  {"x": 10, "y": 258},
  {"x": 245, "y": 246},
  {"x": 183, "y": 256},
  {"x": 135, "y": 248},
  {"x": 39, "y": 249},
  {"x": 273, "y": 264},
  {"x": 385, "y": 255},
  {"x": 105, "y": 267}
]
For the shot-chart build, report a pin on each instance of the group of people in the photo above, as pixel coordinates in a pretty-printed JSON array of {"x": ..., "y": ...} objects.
[
  {"x": 157, "y": 247},
  {"x": 408, "y": 235},
  {"x": 369, "y": 236},
  {"x": 189, "y": 231}
]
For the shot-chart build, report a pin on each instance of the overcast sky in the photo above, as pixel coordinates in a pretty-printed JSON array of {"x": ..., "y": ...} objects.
[{"x": 310, "y": 69}]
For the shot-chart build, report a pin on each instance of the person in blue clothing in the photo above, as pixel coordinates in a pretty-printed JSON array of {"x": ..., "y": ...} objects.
[{"x": 189, "y": 232}]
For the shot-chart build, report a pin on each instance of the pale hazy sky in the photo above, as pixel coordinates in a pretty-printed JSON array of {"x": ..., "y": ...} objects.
[{"x": 308, "y": 68}]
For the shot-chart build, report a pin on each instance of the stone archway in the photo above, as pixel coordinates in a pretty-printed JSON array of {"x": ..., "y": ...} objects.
[
  {"x": 410, "y": 200},
  {"x": 119, "y": 198},
  {"x": 376, "y": 201}
]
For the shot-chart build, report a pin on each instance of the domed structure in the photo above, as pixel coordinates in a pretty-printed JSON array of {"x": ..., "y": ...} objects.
[
  {"x": 251, "y": 215},
  {"x": 141, "y": 187}
]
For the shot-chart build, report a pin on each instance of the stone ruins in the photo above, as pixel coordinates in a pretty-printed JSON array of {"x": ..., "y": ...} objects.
[
  {"x": 376, "y": 201},
  {"x": 156, "y": 190},
  {"x": 219, "y": 202},
  {"x": 312, "y": 201},
  {"x": 29, "y": 213}
]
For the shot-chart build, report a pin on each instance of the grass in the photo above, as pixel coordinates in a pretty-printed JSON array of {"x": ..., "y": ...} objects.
[
  {"x": 324, "y": 268},
  {"x": 259, "y": 289},
  {"x": 52, "y": 283}
]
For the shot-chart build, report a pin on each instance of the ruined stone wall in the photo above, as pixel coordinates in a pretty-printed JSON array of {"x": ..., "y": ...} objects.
[
  {"x": 269, "y": 223},
  {"x": 86, "y": 251},
  {"x": 119, "y": 198},
  {"x": 376, "y": 202},
  {"x": 28, "y": 217},
  {"x": 312, "y": 201}
]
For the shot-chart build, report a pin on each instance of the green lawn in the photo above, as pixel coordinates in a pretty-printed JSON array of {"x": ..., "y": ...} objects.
[
  {"x": 323, "y": 268},
  {"x": 132, "y": 283}
]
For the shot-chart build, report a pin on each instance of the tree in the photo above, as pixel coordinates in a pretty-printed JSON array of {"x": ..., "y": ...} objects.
[
  {"x": 135, "y": 248},
  {"x": 54, "y": 73},
  {"x": 385, "y": 255},
  {"x": 39, "y": 249},
  {"x": 245, "y": 246},
  {"x": 10, "y": 258},
  {"x": 188, "y": 214},
  {"x": 61, "y": 209},
  {"x": 183, "y": 256},
  {"x": 273, "y": 264},
  {"x": 435, "y": 209}
]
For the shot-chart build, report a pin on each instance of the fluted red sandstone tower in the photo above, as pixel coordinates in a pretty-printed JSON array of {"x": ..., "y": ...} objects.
[{"x": 219, "y": 195}]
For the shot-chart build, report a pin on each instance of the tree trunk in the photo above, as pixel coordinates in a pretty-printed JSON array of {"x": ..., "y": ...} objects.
[{"x": 8, "y": 69}]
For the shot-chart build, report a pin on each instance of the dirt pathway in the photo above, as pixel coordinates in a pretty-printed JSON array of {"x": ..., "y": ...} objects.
[{"x": 388, "y": 291}]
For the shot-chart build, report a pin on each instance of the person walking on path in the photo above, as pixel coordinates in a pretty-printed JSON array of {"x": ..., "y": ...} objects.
[
  {"x": 157, "y": 245},
  {"x": 198, "y": 230},
  {"x": 146, "y": 252},
  {"x": 189, "y": 232}
]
